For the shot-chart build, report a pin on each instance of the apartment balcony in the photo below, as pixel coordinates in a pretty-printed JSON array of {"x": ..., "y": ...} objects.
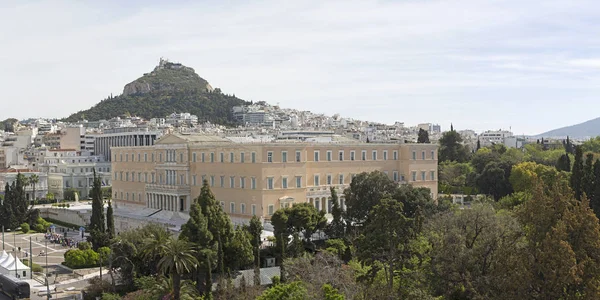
[{"x": 168, "y": 189}]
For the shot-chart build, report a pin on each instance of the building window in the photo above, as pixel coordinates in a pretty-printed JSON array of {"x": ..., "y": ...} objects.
[
  {"x": 341, "y": 179},
  {"x": 432, "y": 154},
  {"x": 222, "y": 181},
  {"x": 432, "y": 175},
  {"x": 115, "y": 175},
  {"x": 385, "y": 155},
  {"x": 317, "y": 181},
  {"x": 423, "y": 175},
  {"x": 284, "y": 183},
  {"x": 202, "y": 157},
  {"x": 271, "y": 207},
  {"x": 414, "y": 155},
  {"x": 414, "y": 176},
  {"x": 152, "y": 157},
  {"x": 139, "y": 157},
  {"x": 243, "y": 182},
  {"x": 328, "y": 179},
  {"x": 284, "y": 156},
  {"x": 352, "y": 155},
  {"x": 212, "y": 180},
  {"x": 254, "y": 209},
  {"x": 423, "y": 155},
  {"x": 253, "y": 157},
  {"x": 231, "y": 158},
  {"x": 374, "y": 155},
  {"x": 253, "y": 183},
  {"x": 194, "y": 157},
  {"x": 232, "y": 181},
  {"x": 316, "y": 156},
  {"x": 145, "y": 157},
  {"x": 212, "y": 157},
  {"x": 194, "y": 180},
  {"x": 341, "y": 155},
  {"x": 222, "y": 157},
  {"x": 126, "y": 157},
  {"x": 298, "y": 156},
  {"x": 243, "y": 208},
  {"x": 180, "y": 157},
  {"x": 328, "y": 155},
  {"x": 364, "y": 155},
  {"x": 395, "y": 175},
  {"x": 232, "y": 207},
  {"x": 153, "y": 179},
  {"x": 270, "y": 157},
  {"x": 270, "y": 183},
  {"x": 242, "y": 157},
  {"x": 395, "y": 155},
  {"x": 126, "y": 176},
  {"x": 298, "y": 181},
  {"x": 133, "y": 196}
]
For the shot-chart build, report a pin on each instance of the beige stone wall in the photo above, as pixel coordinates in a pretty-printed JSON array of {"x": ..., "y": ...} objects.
[{"x": 212, "y": 162}]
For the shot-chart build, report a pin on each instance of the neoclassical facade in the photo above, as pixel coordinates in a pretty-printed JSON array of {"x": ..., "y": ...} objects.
[{"x": 257, "y": 178}]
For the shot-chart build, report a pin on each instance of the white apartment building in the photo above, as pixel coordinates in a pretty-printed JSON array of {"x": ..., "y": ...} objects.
[
  {"x": 492, "y": 137},
  {"x": 41, "y": 188},
  {"x": 71, "y": 169},
  {"x": 123, "y": 137}
]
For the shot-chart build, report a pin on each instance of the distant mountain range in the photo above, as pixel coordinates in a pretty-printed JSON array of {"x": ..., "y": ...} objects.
[
  {"x": 170, "y": 87},
  {"x": 586, "y": 129}
]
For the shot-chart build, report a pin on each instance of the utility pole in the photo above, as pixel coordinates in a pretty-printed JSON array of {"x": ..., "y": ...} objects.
[
  {"x": 47, "y": 283},
  {"x": 2, "y": 237},
  {"x": 15, "y": 247},
  {"x": 30, "y": 259},
  {"x": 100, "y": 267}
]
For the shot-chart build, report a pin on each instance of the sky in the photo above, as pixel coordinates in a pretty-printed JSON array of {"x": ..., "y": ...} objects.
[{"x": 528, "y": 66}]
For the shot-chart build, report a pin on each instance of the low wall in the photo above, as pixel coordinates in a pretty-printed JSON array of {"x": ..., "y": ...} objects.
[{"x": 77, "y": 217}]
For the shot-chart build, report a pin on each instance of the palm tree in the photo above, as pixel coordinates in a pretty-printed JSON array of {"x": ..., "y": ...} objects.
[
  {"x": 178, "y": 257},
  {"x": 34, "y": 179}
]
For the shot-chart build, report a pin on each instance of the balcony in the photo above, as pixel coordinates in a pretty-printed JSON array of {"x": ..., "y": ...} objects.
[
  {"x": 323, "y": 190},
  {"x": 170, "y": 189}
]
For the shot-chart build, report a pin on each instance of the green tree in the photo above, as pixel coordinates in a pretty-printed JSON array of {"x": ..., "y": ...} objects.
[
  {"x": 110, "y": 221},
  {"x": 335, "y": 229},
  {"x": 196, "y": 231},
  {"x": 562, "y": 260},
  {"x": 97, "y": 221},
  {"x": 178, "y": 258},
  {"x": 34, "y": 179},
  {"x": 366, "y": 190},
  {"x": 577, "y": 173},
  {"x": 239, "y": 252},
  {"x": 595, "y": 200},
  {"x": 588, "y": 176},
  {"x": 255, "y": 229},
  {"x": 423, "y": 136},
  {"x": 493, "y": 181},
  {"x": 451, "y": 147},
  {"x": 469, "y": 250},
  {"x": 564, "y": 163},
  {"x": 290, "y": 291},
  {"x": 383, "y": 238}
]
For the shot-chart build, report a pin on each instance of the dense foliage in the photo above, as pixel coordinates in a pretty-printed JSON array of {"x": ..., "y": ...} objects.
[
  {"x": 15, "y": 209},
  {"x": 214, "y": 107}
]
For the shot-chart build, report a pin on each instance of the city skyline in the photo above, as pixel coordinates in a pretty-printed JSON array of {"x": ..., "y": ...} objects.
[{"x": 482, "y": 66}]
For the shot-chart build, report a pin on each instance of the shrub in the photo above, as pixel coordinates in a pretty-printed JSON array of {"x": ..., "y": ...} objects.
[
  {"x": 39, "y": 228},
  {"x": 25, "y": 227},
  {"x": 68, "y": 205},
  {"x": 36, "y": 268},
  {"x": 84, "y": 246},
  {"x": 77, "y": 259}
]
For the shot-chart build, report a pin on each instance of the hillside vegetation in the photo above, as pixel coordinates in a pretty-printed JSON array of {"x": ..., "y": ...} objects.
[
  {"x": 169, "y": 88},
  {"x": 208, "y": 106}
]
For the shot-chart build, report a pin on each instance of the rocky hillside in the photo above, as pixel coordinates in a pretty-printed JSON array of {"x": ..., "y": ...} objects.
[
  {"x": 170, "y": 87},
  {"x": 167, "y": 76}
]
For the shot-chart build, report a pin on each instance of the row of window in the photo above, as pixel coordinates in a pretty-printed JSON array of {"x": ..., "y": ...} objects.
[
  {"x": 171, "y": 179},
  {"x": 171, "y": 156},
  {"x": 232, "y": 208}
]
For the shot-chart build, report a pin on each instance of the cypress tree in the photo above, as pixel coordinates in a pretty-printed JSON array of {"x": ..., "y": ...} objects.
[
  {"x": 110, "y": 221},
  {"x": 335, "y": 229},
  {"x": 97, "y": 221},
  {"x": 478, "y": 145},
  {"x": 588, "y": 176},
  {"x": 255, "y": 229},
  {"x": 564, "y": 163},
  {"x": 595, "y": 199},
  {"x": 577, "y": 173}
]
